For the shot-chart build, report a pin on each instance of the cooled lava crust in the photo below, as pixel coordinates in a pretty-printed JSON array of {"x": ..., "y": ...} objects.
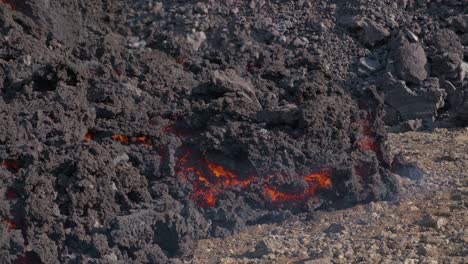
[{"x": 114, "y": 154}]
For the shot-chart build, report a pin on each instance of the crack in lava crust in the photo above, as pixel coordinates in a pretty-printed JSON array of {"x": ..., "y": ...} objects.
[{"x": 210, "y": 179}]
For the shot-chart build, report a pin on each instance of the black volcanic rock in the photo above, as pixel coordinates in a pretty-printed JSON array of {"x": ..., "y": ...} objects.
[
  {"x": 131, "y": 129},
  {"x": 410, "y": 63}
]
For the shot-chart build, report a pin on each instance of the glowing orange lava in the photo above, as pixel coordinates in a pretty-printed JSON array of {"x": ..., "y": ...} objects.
[
  {"x": 315, "y": 181},
  {"x": 145, "y": 140},
  {"x": 123, "y": 139},
  {"x": 89, "y": 136},
  {"x": 228, "y": 177},
  {"x": 210, "y": 179}
]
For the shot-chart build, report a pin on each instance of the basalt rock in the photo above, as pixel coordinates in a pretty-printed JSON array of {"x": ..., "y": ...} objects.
[{"x": 127, "y": 136}]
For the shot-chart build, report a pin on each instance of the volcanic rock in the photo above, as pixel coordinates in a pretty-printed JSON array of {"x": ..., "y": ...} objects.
[
  {"x": 335, "y": 228},
  {"x": 410, "y": 62},
  {"x": 407, "y": 169},
  {"x": 421, "y": 102},
  {"x": 446, "y": 41},
  {"x": 461, "y": 23},
  {"x": 368, "y": 31}
]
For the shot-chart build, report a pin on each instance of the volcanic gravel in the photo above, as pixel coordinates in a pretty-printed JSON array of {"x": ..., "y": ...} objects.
[{"x": 131, "y": 129}]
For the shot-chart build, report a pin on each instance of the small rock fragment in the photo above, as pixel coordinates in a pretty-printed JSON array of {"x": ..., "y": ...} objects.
[
  {"x": 196, "y": 39},
  {"x": 335, "y": 228}
]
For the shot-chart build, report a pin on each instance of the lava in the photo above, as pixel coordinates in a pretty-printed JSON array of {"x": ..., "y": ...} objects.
[
  {"x": 121, "y": 138},
  {"x": 367, "y": 141},
  {"x": 315, "y": 181},
  {"x": 229, "y": 178},
  {"x": 11, "y": 165},
  {"x": 210, "y": 179}
]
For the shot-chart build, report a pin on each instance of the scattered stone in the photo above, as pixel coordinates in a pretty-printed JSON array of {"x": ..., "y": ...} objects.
[
  {"x": 317, "y": 261},
  {"x": 268, "y": 246},
  {"x": 433, "y": 222},
  {"x": 335, "y": 228},
  {"x": 408, "y": 169}
]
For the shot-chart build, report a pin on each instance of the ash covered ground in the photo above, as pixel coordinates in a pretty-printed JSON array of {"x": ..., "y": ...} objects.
[{"x": 132, "y": 129}]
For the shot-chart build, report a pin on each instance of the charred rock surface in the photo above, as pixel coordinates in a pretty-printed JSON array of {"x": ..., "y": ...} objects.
[{"x": 130, "y": 130}]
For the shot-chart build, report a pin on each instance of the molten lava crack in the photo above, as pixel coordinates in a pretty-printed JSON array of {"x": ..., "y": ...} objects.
[{"x": 209, "y": 180}]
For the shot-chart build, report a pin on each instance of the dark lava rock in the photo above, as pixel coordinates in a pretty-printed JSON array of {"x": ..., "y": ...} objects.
[
  {"x": 461, "y": 23},
  {"x": 446, "y": 41},
  {"x": 369, "y": 32},
  {"x": 413, "y": 103},
  {"x": 407, "y": 169}
]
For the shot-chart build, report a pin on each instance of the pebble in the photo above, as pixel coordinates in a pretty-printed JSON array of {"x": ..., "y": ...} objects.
[{"x": 196, "y": 39}]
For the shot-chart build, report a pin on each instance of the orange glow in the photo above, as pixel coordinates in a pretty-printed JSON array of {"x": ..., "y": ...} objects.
[
  {"x": 11, "y": 165},
  {"x": 142, "y": 138},
  {"x": 88, "y": 136},
  {"x": 205, "y": 198},
  {"x": 10, "y": 224},
  {"x": 368, "y": 143},
  {"x": 320, "y": 179},
  {"x": 146, "y": 140},
  {"x": 210, "y": 179},
  {"x": 230, "y": 178},
  {"x": 315, "y": 181},
  {"x": 123, "y": 139}
]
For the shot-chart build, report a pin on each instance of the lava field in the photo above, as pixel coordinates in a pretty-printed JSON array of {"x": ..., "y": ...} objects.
[{"x": 131, "y": 129}]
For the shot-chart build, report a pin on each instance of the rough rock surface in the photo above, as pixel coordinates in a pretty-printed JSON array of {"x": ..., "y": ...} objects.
[
  {"x": 410, "y": 62},
  {"x": 427, "y": 225},
  {"x": 131, "y": 129},
  {"x": 426, "y": 40}
]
